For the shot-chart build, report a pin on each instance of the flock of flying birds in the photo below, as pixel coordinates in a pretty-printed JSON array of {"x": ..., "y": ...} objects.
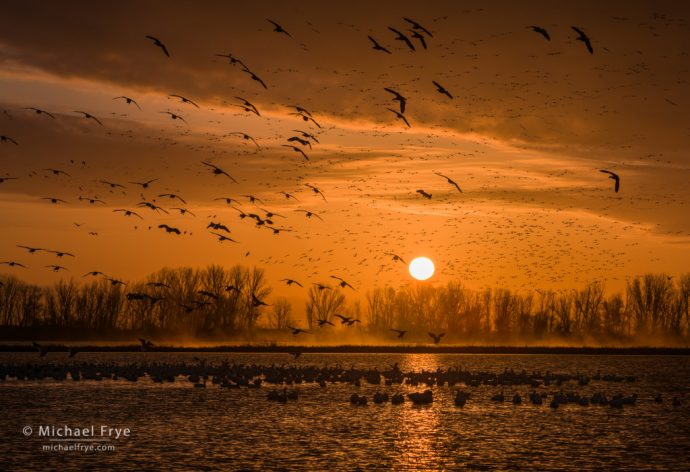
[{"x": 301, "y": 143}]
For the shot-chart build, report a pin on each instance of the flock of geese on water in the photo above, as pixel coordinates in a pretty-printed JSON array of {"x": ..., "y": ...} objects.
[
  {"x": 253, "y": 376},
  {"x": 300, "y": 143}
]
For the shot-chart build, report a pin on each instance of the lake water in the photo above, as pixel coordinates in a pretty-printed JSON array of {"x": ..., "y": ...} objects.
[{"x": 175, "y": 426}]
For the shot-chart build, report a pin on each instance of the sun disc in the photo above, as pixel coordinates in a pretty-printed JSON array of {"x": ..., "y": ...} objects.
[{"x": 421, "y": 268}]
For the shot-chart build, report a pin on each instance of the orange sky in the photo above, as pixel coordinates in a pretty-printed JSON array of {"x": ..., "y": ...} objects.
[{"x": 531, "y": 123}]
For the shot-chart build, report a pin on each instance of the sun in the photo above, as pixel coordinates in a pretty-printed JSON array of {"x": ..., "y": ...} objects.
[{"x": 421, "y": 268}]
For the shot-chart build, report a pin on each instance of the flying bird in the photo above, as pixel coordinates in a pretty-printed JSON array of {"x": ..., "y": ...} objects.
[
  {"x": 40, "y": 112},
  {"x": 128, "y": 100},
  {"x": 322, "y": 322},
  {"x": 218, "y": 171},
  {"x": 61, "y": 253},
  {"x": 401, "y": 116},
  {"x": 417, "y": 26},
  {"x": 54, "y": 200},
  {"x": 317, "y": 191},
  {"x": 613, "y": 176},
  {"x": 307, "y": 135},
  {"x": 541, "y": 31},
  {"x": 172, "y": 195},
  {"x": 397, "y": 98},
  {"x": 342, "y": 282},
  {"x": 144, "y": 184},
  {"x": 31, "y": 250},
  {"x": 246, "y": 137},
  {"x": 13, "y": 264},
  {"x": 450, "y": 181},
  {"x": 112, "y": 184},
  {"x": 292, "y": 281},
  {"x": 296, "y": 331},
  {"x": 89, "y": 116},
  {"x": 437, "y": 337},
  {"x": 396, "y": 257},
  {"x": 222, "y": 238},
  {"x": 175, "y": 117},
  {"x": 400, "y": 332},
  {"x": 309, "y": 214},
  {"x": 419, "y": 37},
  {"x": 152, "y": 206},
  {"x": 441, "y": 89},
  {"x": 256, "y": 302},
  {"x": 424, "y": 194},
  {"x": 296, "y": 149},
  {"x": 288, "y": 196},
  {"x": 158, "y": 43},
  {"x": 584, "y": 38},
  {"x": 255, "y": 77},
  {"x": 3, "y": 179},
  {"x": 57, "y": 268},
  {"x": 7, "y": 139},
  {"x": 184, "y": 99},
  {"x": 277, "y": 28},
  {"x": 248, "y": 106},
  {"x": 232, "y": 60},
  {"x": 129, "y": 213},
  {"x": 169, "y": 229},
  {"x": 401, "y": 37},
  {"x": 377, "y": 46}
]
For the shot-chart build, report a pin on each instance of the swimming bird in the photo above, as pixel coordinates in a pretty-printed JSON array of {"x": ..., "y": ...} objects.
[
  {"x": 396, "y": 257},
  {"x": 541, "y": 31},
  {"x": 400, "y": 115},
  {"x": 169, "y": 229},
  {"x": 218, "y": 171},
  {"x": 450, "y": 181},
  {"x": 424, "y": 194},
  {"x": 7, "y": 139},
  {"x": 158, "y": 43},
  {"x": 376, "y": 46},
  {"x": 398, "y": 98},
  {"x": 401, "y": 332},
  {"x": 613, "y": 176},
  {"x": 437, "y": 337},
  {"x": 128, "y": 100},
  {"x": 40, "y": 112},
  {"x": 184, "y": 99},
  {"x": 174, "y": 116},
  {"x": 401, "y": 37},
  {"x": 584, "y": 38},
  {"x": 89, "y": 116},
  {"x": 277, "y": 28},
  {"x": 417, "y": 26},
  {"x": 441, "y": 89}
]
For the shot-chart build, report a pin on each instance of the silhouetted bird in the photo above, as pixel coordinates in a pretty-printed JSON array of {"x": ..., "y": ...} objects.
[
  {"x": 613, "y": 176},
  {"x": 450, "y": 181},
  {"x": 583, "y": 37},
  {"x": 377, "y": 46},
  {"x": 541, "y": 31},
  {"x": 158, "y": 43},
  {"x": 437, "y": 337},
  {"x": 441, "y": 89},
  {"x": 424, "y": 194}
]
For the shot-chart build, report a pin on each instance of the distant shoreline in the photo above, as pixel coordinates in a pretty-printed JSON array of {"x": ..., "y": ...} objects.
[{"x": 367, "y": 349}]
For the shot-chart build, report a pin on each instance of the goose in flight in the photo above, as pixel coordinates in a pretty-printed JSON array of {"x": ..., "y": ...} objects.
[
  {"x": 316, "y": 191},
  {"x": 172, "y": 195},
  {"x": 256, "y": 302},
  {"x": 61, "y": 253},
  {"x": 342, "y": 282},
  {"x": 152, "y": 206},
  {"x": 437, "y": 337},
  {"x": 115, "y": 282},
  {"x": 183, "y": 211},
  {"x": 128, "y": 100},
  {"x": 129, "y": 213},
  {"x": 296, "y": 331},
  {"x": 321, "y": 287},
  {"x": 57, "y": 268},
  {"x": 288, "y": 196},
  {"x": 254, "y": 199},
  {"x": 450, "y": 181},
  {"x": 613, "y": 176},
  {"x": 307, "y": 135},
  {"x": 174, "y": 116},
  {"x": 3, "y": 179},
  {"x": 13, "y": 264},
  {"x": 322, "y": 322},
  {"x": 441, "y": 89},
  {"x": 89, "y": 116},
  {"x": 228, "y": 200},
  {"x": 401, "y": 37},
  {"x": 541, "y": 31},
  {"x": 296, "y": 149},
  {"x": 157, "y": 42},
  {"x": 584, "y": 38},
  {"x": 397, "y": 98},
  {"x": 40, "y": 112},
  {"x": 303, "y": 142},
  {"x": 112, "y": 184},
  {"x": 396, "y": 257},
  {"x": 218, "y": 171},
  {"x": 255, "y": 77},
  {"x": 54, "y": 200},
  {"x": 292, "y": 281},
  {"x": 424, "y": 194},
  {"x": 144, "y": 184},
  {"x": 158, "y": 285},
  {"x": 377, "y": 47},
  {"x": 57, "y": 172},
  {"x": 401, "y": 332},
  {"x": 232, "y": 60},
  {"x": 244, "y": 136},
  {"x": 420, "y": 37},
  {"x": 401, "y": 116},
  {"x": 94, "y": 273},
  {"x": 218, "y": 227},
  {"x": 222, "y": 238},
  {"x": 7, "y": 139},
  {"x": 169, "y": 229},
  {"x": 417, "y": 26},
  {"x": 306, "y": 117},
  {"x": 91, "y": 200},
  {"x": 31, "y": 250},
  {"x": 277, "y": 28},
  {"x": 309, "y": 214},
  {"x": 184, "y": 99},
  {"x": 344, "y": 319},
  {"x": 248, "y": 106}
]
